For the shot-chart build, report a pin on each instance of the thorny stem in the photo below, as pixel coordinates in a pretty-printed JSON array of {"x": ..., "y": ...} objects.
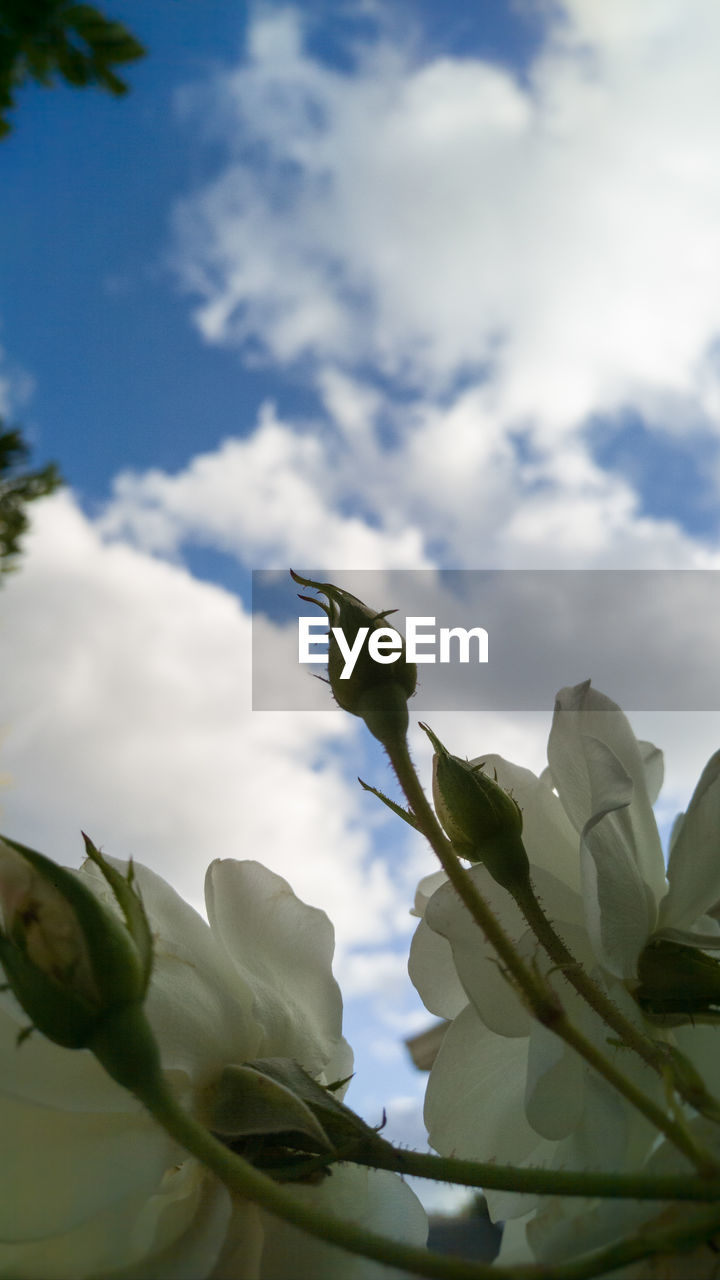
[{"x": 378, "y": 1153}]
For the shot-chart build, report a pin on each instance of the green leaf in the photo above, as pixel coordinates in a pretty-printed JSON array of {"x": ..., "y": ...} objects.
[
  {"x": 107, "y": 39},
  {"x": 18, "y": 486},
  {"x": 405, "y": 814},
  {"x": 339, "y": 1123},
  {"x": 248, "y": 1100}
]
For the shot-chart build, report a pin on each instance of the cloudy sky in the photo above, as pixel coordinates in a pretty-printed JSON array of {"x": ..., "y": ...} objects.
[{"x": 370, "y": 285}]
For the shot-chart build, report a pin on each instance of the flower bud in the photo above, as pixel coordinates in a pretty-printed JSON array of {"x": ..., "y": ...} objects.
[
  {"x": 71, "y": 961},
  {"x": 678, "y": 983},
  {"x": 376, "y": 691},
  {"x": 483, "y": 822}
]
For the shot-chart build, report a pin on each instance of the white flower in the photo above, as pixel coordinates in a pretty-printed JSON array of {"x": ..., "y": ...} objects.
[
  {"x": 90, "y": 1186},
  {"x": 503, "y": 1087}
]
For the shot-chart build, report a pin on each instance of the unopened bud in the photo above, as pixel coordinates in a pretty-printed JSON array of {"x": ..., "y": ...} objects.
[
  {"x": 482, "y": 821},
  {"x": 74, "y": 965},
  {"x": 376, "y": 691}
]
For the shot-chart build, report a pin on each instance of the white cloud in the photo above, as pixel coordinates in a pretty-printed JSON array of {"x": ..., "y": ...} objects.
[
  {"x": 430, "y": 217},
  {"x": 128, "y": 715},
  {"x": 523, "y": 254},
  {"x": 376, "y": 971},
  {"x": 269, "y": 499},
  {"x": 452, "y": 488}
]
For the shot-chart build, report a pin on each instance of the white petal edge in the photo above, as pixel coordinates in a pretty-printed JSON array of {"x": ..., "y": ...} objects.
[
  {"x": 379, "y": 1201},
  {"x": 694, "y": 865},
  {"x": 474, "y": 1099},
  {"x": 620, "y": 911},
  {"x": 582, "y": 713},
  {"x": 431, "y": 967},
  {"x": 283, "y": 950}
]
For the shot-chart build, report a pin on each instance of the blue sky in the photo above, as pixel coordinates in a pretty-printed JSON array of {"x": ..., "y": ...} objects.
[
  {"x": 89, "y": 187},
  {"x": 375, "y": 285}
]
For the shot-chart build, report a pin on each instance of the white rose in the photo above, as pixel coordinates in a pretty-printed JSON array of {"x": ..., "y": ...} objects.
[
  {"x": 504, "y": 1088},
  {"x": 91, "y": 1186}
]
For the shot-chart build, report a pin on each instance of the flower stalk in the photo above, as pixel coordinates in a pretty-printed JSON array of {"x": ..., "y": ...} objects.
[{"x": 488, "y": 1176}]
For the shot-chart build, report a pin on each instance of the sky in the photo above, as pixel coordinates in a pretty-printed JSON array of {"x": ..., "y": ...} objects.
[{"x": 364, "y": 285}]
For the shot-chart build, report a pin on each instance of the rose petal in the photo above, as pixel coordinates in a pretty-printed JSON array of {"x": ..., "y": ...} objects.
[
  {"x": 583, "y": 714},
  {"x": 241, "y": 1258},
  {"x": 654, "y": 766},
  {"x": 282, "y": 950},
  {"x": 42, "y": 1072},
  {"x": 514, "y": 1248},
  {"x": 425, "y": 890},
  {"x": 65, "y": 1166},
  {"x": 473, "y": 1104},
  {"x": 619, "y": 910},
  {"x": 180, "y": 1231},
  {"x": 694, "y": 866},
  {"x": 609, "y": 1138},
  {"x": 432, "y": 971},
  {"x": 600, "y": 1140},
  {"x": 554, "y": 1088},
  {"x": 198, "y": 1004},
  {"x": 174, "y": 1234},
  {"x": 379, "y": 1201},
  {"x": 566, "y": 1227},
  {"x": 476, "y": 961}
]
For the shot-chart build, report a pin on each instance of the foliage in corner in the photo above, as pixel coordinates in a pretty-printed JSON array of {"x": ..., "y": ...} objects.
[
  {"x": 44, "y": 39},
  {"x": 18, "y": 486}
]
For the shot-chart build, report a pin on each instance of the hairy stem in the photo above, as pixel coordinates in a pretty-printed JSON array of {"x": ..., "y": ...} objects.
[{"x": 378, "y": 1153}]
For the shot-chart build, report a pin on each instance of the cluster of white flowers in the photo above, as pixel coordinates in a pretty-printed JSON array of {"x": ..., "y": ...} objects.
[
  {"x": 94, "y": 1186},
  {"x": 91, "y": 1185},
  {"x": 503, "y": 1087}
]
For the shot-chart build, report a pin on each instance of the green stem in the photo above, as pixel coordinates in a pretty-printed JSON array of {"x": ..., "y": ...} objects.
[
  {"x": 244, "y": 1180},
  {"x": 530, "y": 987},
  {"x": 537, "y": 995},
  {"x": 648, "y": 1049},
  {"x": 380, "y": 1154},
  {"x": 548, "y": 1182}
]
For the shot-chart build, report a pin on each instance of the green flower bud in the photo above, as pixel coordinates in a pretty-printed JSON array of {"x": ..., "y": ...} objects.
[
  {"x": 366, "y": 686},
  {"x": 678, "y": 983},
  {"x": 72, "y": 962},
  {"x": 483, "y": 822}
]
